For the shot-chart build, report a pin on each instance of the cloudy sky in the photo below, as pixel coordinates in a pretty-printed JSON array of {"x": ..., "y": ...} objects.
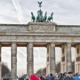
[{"x": 19, "y": 12}]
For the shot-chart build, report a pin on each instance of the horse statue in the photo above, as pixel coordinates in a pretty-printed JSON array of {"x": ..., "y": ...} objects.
[
  {"x": 45, "y": 17},
  {"x": 50, "y": 17},
  {"x": 33, "y": 17},
  {"x": 39, "y": 17}
]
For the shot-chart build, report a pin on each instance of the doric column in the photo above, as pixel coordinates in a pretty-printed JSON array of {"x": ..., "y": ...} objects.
[
  {"x": 0, "y": 64},
  {"x": 68, "y": 57},
  {"x": 52, "y": 58},
  {"x": 30, "y": 66},
  {"x": 13, "y": 61},
  {"x": 77, "y": 58},
  {"x": 47, "y": 61},
  {"x": 63, "y": 54}
]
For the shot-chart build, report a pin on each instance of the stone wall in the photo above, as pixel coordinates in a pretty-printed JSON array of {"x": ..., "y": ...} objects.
[
  {"x": 40, "y": 27},
  {"x": 68, "y": 28},
  {"x": 13, "y": 27}
]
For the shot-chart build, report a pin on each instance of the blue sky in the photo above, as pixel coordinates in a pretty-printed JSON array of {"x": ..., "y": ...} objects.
[{"x": 66, "y": 12}]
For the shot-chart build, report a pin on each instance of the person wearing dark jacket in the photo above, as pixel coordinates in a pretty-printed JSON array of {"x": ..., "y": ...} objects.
[
  {"x": 69, "y": 77},
  {"x": 61, "y": 77},
  {"x": 50, "y": 77},
  {"x": 41, "y": 78},
  {"x": 65, "y": 74}
]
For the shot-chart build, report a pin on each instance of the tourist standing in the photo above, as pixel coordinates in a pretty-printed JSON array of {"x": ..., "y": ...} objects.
[
  {"x": 69, "y": 77},
  {"x": 61, "y": 77},
  {"x": 34, "y": 77},
  {"x": 65, "y": 74},
  {"x": 50, "y": 77},
  {"x": 76, "y": 77},
  {"x": 41, "y": 77}
]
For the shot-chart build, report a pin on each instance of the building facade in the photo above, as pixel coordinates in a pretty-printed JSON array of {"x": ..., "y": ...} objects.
[{"x": 49, "y": 35}]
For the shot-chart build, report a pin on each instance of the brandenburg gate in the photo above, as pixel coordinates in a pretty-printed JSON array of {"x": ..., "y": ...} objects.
[{"x": 40, "y": 34}]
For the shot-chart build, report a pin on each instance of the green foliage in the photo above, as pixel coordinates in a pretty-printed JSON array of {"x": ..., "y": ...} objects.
[{"x": 5, "y": 70}]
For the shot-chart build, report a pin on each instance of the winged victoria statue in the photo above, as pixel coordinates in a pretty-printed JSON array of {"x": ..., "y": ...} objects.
[{"x": 40, "y": 17}]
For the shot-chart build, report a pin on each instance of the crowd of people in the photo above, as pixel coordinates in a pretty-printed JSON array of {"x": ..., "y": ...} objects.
[{"x": 60, "y": 76}]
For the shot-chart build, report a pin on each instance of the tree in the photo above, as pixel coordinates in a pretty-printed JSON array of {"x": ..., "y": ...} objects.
[
  {"x": 41, "y": 71},
  {"x": 58, "y": 67},
  {"x": 5, "y": 70}
]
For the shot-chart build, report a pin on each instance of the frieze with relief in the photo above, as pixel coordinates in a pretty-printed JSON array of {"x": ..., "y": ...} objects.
[{"x": 37, "y": 38}]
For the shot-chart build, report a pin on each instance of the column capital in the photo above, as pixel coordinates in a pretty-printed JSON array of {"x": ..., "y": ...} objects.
[
  {"x": 13, "y": 43},
  {"x": 13, "y": 49},
  {"x": 52, "y": 45},
  {"x": 68, "y": 43},
  {"x": 30, "y": 43},
  {"x": 52, "y": 42}
]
